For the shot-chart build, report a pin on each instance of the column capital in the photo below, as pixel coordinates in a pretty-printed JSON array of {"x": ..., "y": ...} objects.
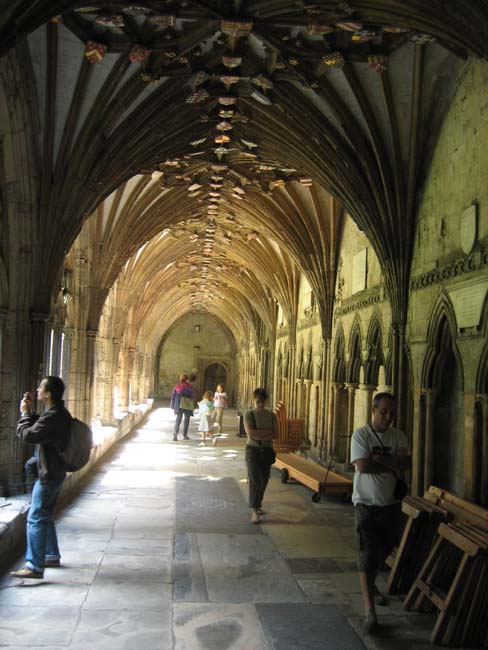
[{"x": 367, "y": 387}]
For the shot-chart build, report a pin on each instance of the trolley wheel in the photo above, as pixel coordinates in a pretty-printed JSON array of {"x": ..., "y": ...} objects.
[
  {"x": 284, "y": 475},
  {"x": 316, "y": 496}
]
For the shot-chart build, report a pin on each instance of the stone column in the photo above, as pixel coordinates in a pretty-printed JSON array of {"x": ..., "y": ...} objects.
[
  {"x": 291, "y": 402},
  {"x": 469, "y": 489},
  {"x": 417, "y": 441},
  {"x": 365, "y": 398},
  {"x": 326, "y": 393},
  {"x": 307, "y": 383},
  {"x": 332, "y": 418},
  {"x": 351, "y": 393},
  {"x": 87, "y": 406},
  {"x": 430, "y": 401}
]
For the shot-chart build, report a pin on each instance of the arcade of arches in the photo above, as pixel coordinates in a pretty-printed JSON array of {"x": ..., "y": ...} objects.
[{"x": 264, "y": 192}]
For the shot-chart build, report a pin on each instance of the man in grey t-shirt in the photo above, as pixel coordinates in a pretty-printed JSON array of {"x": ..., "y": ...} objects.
[{"x": 379, "y": 453}]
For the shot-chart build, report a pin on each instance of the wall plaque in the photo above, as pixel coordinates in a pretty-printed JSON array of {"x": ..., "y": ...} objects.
[
  {"x": 359, "y": 270},
  {"x": 468, "y": 229},
  {"x": 468, "y": 298}
]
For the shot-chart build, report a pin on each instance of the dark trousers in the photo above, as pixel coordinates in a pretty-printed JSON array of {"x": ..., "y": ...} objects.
[
  {"x": 258, "y": 461},
  {"x": 182, "y": 413},
  {"x": 377, "y": 529}
]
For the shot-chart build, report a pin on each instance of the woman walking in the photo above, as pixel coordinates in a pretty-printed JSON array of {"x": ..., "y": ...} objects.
[
  {"x": 183, "y": 404},
  {"x": 261, "y": 428}
]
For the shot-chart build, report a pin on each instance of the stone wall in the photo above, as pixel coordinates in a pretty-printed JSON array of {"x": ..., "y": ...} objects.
[
  {"x": 448, "y": 312},
  {"x": 187, "y": 350}
]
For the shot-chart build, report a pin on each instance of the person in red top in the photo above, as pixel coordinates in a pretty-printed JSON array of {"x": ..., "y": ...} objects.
[{"x": 183, "y": 403}]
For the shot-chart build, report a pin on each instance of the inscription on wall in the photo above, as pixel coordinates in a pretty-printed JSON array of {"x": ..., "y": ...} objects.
[{"x": 467, "y": 299}]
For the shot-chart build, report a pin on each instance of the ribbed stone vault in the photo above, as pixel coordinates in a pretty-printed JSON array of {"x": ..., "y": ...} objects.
[{"x": 227, "y": 135}]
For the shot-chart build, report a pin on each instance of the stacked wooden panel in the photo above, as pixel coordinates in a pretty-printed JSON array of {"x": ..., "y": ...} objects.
[
  {"x": 453, "y": 580},
  {"x": 420, "y": 531},
  {"x": 290, "y": 431}
]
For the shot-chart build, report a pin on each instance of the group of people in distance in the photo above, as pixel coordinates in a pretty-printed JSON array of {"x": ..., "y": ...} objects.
[
  {"x": 379, "y": 452},
  {"x": 210, "y": 409}
]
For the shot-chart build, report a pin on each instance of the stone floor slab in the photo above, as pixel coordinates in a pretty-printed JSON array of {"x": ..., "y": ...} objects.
[
  {"x": 246, "y": 568},
  {"x": 218, "y": 627},
  {"x": 211, "y": 505},
  {"x": 128, "y": 595},
  {"x": 123, "y": 630},
  {"x": 307, "y": 541},
  {"x": 150, "y": 568},
  {"x": 26, "y": 626},
  {"x": 325, "y": 627}
]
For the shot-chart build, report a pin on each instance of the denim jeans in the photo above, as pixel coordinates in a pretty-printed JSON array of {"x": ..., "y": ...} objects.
[
  {"x": 42, "y": 541},
  {"x": 186, "y": 422}
]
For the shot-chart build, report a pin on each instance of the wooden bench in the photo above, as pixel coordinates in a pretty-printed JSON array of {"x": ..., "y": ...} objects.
[{"x": 314, "y": 476}]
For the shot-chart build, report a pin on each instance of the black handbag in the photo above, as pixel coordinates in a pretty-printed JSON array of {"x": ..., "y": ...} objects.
[{"x": 401, "y": 488}]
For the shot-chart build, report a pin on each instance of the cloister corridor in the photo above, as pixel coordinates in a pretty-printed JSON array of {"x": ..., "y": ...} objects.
[{"x": 158, "y": 553}]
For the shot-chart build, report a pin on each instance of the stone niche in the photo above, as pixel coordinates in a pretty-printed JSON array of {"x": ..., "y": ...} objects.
[{"x": 195, "y": 342}]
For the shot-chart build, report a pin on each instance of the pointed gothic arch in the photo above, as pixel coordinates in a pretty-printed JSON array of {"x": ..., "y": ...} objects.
[
  {"x": 442, "y": 447},
  {"x": 374, "y": 346},
  {"x": 355, "y": 361},
  {"x": 339, "y": 365}
]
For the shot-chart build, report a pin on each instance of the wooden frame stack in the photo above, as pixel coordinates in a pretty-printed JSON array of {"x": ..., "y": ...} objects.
[
  {"x": 419, "y": 534},
  {"x": 290, "y": 431},
  {"x": 454, "y": 580}
]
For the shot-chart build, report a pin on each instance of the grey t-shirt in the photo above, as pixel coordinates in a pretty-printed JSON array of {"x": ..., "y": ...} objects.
[
  {"x": 264, "y": 419},
  {"x": 375, "y": 489}
]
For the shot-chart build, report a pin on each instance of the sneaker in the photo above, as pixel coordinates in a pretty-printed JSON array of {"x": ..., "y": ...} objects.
[
  {"x": 186, "y": 438},
  {"x": 27, "y": 573},
  {"x": 202, "y": 444},
  {"x": 370, "y": 623},
  {"x": 214, "y": 441},
  {"x": 255, "y": 517},
  {"x": 52, "y": 564}
]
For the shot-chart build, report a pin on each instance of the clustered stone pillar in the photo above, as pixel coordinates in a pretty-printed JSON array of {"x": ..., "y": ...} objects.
[
  {"x": 333, "y": 416},
  {"x": 351, "y": 393},
  {"x": 430, "y": 402}
]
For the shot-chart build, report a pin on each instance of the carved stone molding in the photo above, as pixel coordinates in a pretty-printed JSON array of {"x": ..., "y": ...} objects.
[
  {"x": 453, "y": 268},
  {"x": 367, "y": 299}
]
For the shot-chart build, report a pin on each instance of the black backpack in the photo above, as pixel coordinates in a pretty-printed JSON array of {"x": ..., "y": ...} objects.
[{"x": 76, "y": 454}]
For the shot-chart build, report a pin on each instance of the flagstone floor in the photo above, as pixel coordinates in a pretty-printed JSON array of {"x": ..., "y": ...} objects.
[{"x": 158, "y": 553}]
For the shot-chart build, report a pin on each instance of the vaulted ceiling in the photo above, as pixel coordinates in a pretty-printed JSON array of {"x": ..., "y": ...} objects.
[{"x": 229, "y": 138}]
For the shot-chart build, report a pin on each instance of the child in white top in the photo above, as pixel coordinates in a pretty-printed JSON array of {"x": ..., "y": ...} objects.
[
  {"x": 220, "y": 402},
  {"x": 206, "y": 408}
]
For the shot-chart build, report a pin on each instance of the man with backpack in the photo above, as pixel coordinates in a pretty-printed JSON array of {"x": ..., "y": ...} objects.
[{"x": 51, "y": 433}]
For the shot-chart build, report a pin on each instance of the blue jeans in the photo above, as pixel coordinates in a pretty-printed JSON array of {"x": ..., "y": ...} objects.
[
  {"x": 186, "y": 414},
  {"x": 42, "y": 541}
]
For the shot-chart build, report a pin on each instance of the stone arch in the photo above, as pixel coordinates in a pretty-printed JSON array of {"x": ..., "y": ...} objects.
[
  {"x": 440, "y": 332},
  {"x": 339, "y": 364},
  {"x": 308, "y": 371},
  {"x": 374, "y": 347},
  {"x": 355, "y": 362},
  {"x": 215, "y": 372},
  {"x": 480, "y": 433},
  {"x": 443, "y": 385}
]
